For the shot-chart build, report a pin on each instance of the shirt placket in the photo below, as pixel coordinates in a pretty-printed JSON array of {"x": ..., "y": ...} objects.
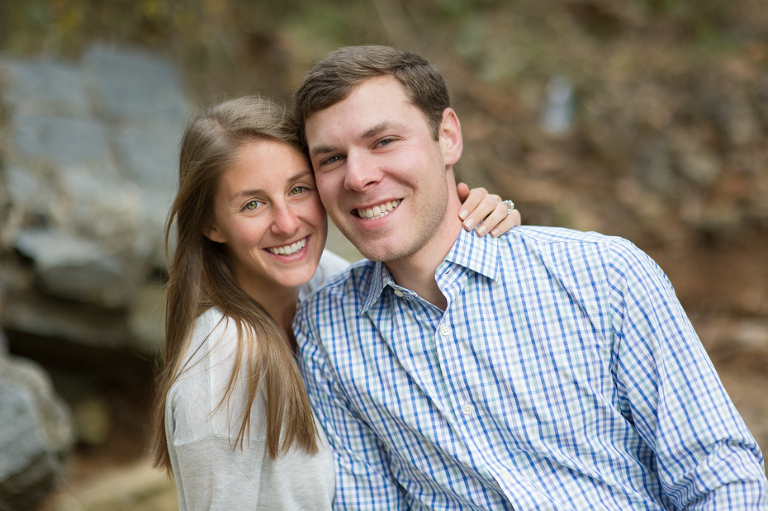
[
  {"x": 467, "y": 403},
  {"x": 450, "y": 354}
]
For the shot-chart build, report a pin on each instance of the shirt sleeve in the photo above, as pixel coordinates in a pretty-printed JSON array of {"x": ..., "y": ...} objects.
[
  {"x": 363, "y": 479},
  {"x": 705, "y": 456}
]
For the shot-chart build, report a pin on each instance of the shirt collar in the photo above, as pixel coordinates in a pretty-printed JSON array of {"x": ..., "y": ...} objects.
[
  {"x": 379, "y": 279},
  {"x": 475, "y": 253},
  {"x": 469, "y": 250}
]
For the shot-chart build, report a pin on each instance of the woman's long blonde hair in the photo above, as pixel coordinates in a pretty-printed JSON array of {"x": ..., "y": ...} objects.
[{"x": 200, "y": 277}]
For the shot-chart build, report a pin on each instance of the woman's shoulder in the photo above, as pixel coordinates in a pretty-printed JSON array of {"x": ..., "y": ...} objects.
[
  {"x": 330, "y": 264},
  {"x": 204, "y": 378},
  {"x": 211, "y": 352},
  {"x": 211, "y": 331}
]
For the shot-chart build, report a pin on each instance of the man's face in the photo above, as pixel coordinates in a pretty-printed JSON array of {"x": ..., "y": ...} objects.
[{"x": 384, "y": 180}]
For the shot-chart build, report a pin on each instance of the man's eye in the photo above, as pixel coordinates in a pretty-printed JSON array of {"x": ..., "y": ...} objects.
[
  {"x": 332, "y": 159},
  {"x": 385, "y": 141}
]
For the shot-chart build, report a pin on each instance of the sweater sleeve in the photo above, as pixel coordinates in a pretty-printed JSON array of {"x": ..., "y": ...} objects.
[
  {"x": 210, "y": 471},
  {"x": 211, "y": 476}
]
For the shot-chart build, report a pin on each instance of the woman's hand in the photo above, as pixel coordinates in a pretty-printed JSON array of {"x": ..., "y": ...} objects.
[{"x": 487, "y": 209}]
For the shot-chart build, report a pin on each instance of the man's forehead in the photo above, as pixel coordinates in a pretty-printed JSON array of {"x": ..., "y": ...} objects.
[{"x": 369, "y": 107}]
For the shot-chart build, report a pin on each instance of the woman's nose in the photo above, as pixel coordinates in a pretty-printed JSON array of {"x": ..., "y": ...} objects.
[{"x": 284, "y": 220}]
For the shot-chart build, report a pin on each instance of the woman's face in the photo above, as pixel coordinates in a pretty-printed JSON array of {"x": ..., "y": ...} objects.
[{"x": 268, "y": 214}]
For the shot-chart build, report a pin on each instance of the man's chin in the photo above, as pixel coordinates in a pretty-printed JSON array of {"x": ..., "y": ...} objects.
[
  {"x": 380, "y": 250},
  {"x": 376, "y": 246}
]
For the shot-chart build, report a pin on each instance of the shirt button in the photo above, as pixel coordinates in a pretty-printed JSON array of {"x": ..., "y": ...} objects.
[
  {"x": 398, "y": 293},
  {"x": 445, "y": 330},
  {"x": 467, "y": 409}
]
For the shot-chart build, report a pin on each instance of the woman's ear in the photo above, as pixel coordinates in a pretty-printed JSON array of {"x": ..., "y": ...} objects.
[
  {"x": 450, "y": 139},
  {"x": 213, "y": 233}
]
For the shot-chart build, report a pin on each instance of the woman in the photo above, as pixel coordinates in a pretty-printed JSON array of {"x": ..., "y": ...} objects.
[{"x": 233, "y": 420}]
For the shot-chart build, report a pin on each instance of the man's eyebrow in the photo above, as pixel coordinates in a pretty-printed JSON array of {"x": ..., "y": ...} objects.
[
  {"x": 369, "y": 133},
  {"x": 375, "y": 130},
  {"x": 321, "y": 149}
]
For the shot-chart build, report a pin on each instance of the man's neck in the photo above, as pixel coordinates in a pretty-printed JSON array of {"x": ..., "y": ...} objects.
[{"x": 417, "y": 271}]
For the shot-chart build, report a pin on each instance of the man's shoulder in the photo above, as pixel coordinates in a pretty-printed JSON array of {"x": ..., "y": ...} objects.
[
  {"x": 558, "y": 246},
  {"x": 554, "y": 235},
  {"x": 561, "y": 239}
]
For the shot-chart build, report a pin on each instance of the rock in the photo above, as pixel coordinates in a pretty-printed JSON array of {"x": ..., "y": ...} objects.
[
  {"x": 150, "y": 158},
  {"x": 35, "y": 432},
  {"x": 129, "y": 85},
  {"x": 90, "y": 160},
  {"x": 61, "y": 143},
  {"x": 43, "y": 316},
  {"x": 76, "y": 268},
  {"x": 46, "y": 87}
]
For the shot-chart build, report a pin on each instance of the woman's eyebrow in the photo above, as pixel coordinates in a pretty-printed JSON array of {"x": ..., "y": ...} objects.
[{"x": 256, "y": 191}]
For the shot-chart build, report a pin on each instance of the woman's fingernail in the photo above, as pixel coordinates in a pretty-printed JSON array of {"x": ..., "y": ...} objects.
[
  {"x": 463, "y": 214},
  {"x": 469, "y": 223},
  {"x": 481, "y": 230}
]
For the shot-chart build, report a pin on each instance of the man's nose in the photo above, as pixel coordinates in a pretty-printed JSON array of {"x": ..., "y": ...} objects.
[{"x": 361, "y": 171}]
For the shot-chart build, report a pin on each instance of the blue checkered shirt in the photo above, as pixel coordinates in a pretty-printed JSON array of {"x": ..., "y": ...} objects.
[{"x": 563, "y": 374}]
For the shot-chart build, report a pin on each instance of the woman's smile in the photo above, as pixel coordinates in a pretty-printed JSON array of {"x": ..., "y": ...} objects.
[{"x": 290, "y": 248}]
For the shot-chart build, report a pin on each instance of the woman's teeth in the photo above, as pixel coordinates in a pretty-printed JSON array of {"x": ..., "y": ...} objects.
[
  {"x": 378, "y": 211},
  {"x": 289, "y": 249}
]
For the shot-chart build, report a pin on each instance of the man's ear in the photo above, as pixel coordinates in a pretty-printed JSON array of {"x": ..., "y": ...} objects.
[
  {"x": 213, "y": 233},
  {"x": 450, "y": 139}
]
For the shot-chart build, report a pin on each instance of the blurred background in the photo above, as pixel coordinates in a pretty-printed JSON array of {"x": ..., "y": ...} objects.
[{"x": 646, "y": 119}]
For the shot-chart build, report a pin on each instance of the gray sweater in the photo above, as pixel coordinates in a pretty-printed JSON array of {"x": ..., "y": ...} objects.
[{"x": 209, "y": 474}]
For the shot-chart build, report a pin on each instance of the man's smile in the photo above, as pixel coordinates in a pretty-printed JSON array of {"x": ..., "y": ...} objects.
[{"x": 378, "y": 211}]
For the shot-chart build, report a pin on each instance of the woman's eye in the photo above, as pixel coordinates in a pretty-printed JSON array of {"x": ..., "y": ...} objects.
[
  {"x": 252, "y": 205},
  {"x": 298, "y": 189}
]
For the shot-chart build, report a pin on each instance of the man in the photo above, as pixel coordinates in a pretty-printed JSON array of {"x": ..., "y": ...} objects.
[{"x": 544, "y": 369}]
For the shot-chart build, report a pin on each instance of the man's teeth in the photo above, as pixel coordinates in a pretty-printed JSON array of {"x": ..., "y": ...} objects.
[
  {"x": 378, "y": 211},
  {"x": 289, "y": 249}
]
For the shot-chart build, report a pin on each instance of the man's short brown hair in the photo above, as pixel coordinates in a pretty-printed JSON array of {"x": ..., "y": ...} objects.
[{"x": 333, "y": 78}]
